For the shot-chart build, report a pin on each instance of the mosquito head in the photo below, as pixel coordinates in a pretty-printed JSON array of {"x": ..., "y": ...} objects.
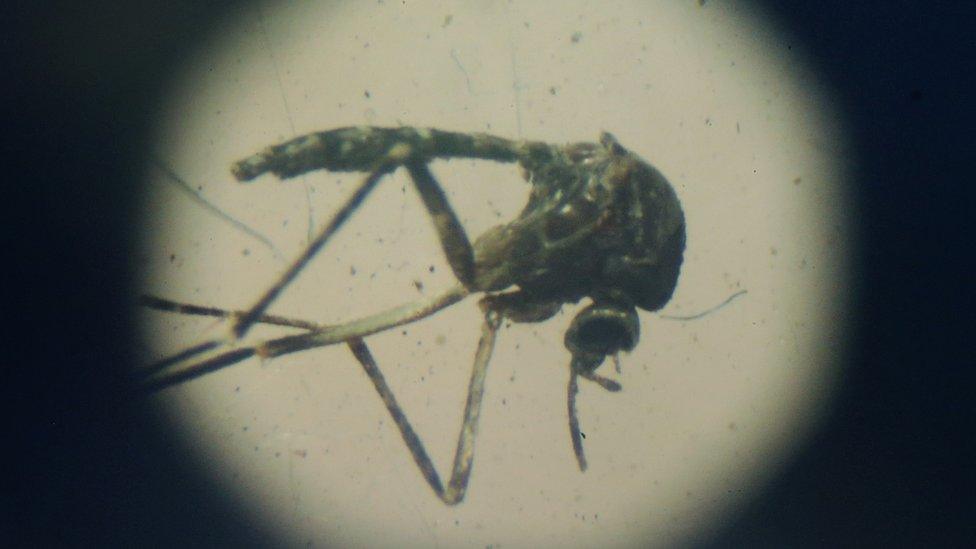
[{"x": 599, "y": 331}]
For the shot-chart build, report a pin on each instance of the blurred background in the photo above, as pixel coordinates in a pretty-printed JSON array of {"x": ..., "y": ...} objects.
[{"x": 866, "y": 449}]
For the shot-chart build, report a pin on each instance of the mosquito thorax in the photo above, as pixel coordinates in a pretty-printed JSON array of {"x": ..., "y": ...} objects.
[{"x": 600, "y": 222}]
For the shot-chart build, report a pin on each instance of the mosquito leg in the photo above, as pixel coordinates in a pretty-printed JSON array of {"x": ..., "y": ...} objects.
[
  {"x": 464, "y": 454},
  {"x": 219, "y": 362},
  {"x": 321, "y": 337},
  {"x": 244, "y": 322},
  {"x": 185, "y": 354},
  {"x": 380, "y": 150},
  {"x": 161, "y": 304},
  {"x": 454, "y": 240},
  {"x": 414, "y": 444}
]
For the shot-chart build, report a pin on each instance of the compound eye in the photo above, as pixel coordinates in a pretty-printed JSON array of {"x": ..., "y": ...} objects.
[{"x": 601, "y": 330}]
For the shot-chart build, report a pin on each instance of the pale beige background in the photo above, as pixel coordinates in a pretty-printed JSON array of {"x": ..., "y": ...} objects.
[{"x": 713, "y": 96}]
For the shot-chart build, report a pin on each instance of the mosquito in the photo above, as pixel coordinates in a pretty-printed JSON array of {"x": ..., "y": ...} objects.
[{"x": 600, "y": 223}]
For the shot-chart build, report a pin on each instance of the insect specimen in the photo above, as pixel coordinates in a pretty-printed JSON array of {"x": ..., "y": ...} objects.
[{"x": 600, "y": 223}]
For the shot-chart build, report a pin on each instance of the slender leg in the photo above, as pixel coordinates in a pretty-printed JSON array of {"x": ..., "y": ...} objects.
[
  {"x": 320, "y": 337},
  {"x": 454, "y": 240},
  {"x": 410, "y": 437},
  {"x": 351, "y": 333},
  {"x": 248, "y": 319},
  {"x": 464, "y": 454},
  {"x": 161, "y": 304},
  {"x": 359, "y": 149},
  {"x": 244, "y": 322},
  {"x": 185, "y": 354},
  {"x": 379, "y": 150}
]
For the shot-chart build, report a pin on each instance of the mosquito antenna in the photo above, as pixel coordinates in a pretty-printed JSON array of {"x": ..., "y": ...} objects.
[
  {"x": 187, "y": 189},
  {"x": 574, "y": 431},
  {"x": 706, "y": 311}
]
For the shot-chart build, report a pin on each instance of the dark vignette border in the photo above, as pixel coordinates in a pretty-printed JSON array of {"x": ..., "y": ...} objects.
[{"x": 91, "y": 467}]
